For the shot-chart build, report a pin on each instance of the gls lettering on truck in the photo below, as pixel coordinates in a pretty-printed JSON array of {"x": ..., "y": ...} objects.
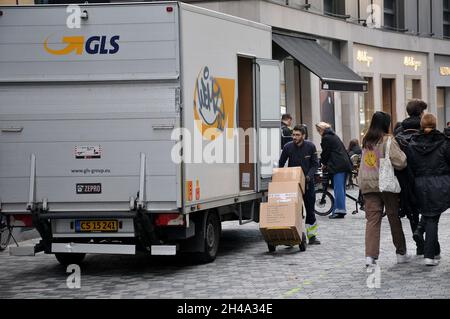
[{"x": 93, "y": 45}]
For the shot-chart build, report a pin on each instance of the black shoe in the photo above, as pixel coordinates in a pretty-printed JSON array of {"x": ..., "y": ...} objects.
[
  {"x": 313, "y": 241},
  {"x": 336, "y": 216}
]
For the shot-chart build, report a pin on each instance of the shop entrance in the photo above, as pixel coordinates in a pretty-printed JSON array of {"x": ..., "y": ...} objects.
[
  {"x": 443, "y": 107},
  {"x": 389, "y": 100}
]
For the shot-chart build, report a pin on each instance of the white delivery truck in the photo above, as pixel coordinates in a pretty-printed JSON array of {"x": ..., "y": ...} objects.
[{"x": 98, "y": 105}]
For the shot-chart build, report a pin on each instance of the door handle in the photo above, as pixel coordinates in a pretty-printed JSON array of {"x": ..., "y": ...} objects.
[
  {"x": 12, "y": 129},
  {"x": 163, "y": 126}
]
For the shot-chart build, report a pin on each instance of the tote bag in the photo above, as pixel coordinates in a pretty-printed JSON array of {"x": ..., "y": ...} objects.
[{"x": 387, "y": 180}]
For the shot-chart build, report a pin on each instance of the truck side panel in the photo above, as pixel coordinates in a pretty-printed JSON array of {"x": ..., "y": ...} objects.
[{"x": 210, "y": 47}]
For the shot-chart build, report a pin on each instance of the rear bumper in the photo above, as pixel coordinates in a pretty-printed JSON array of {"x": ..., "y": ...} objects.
[{"x": 93, "y": 248}]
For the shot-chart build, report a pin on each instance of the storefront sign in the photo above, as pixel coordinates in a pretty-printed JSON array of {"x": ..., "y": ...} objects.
[
  {"x": 364, "y": 58},
  {"x": 444, "y": 70},
  {"x": 412, "y": 62}
]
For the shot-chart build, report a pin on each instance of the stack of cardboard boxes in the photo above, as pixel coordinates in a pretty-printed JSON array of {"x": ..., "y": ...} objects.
[{"x": 281, "y": 218}]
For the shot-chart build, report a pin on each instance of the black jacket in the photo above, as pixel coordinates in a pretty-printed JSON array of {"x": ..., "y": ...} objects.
[
  {"x": 408, "y": 200},
  {"x": 304, "y": 155},
  {"x": 355, "y": 150},
  {"x": 411, "y": 123},
  {"x": 334, "y": 155},
  {"x": 429, "y": 159},
  {"x": 286, "y": 135}
]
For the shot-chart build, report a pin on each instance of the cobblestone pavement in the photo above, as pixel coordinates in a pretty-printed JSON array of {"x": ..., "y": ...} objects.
[{"x": 243, "y": 269}]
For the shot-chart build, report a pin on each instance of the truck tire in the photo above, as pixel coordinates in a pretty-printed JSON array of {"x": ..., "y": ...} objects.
[
  {"x": 212, "y": 238},
  {"x": 69, "y": 259}
]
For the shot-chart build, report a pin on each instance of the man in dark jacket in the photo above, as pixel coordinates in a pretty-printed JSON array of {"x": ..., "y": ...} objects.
[
  {"x": 303, "y": 153},
  {"x": 286, "y": 132},
  {"x": 429, "y": 158},
  {"x": 447, "y": 130},
  {"x": 337, "y": 162},
  {"x": 408, "y": 204}
]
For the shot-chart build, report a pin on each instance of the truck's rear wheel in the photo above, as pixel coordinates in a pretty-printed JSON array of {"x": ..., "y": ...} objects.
[
  {"x": 212, "y": 238},
  {"x": 69, "y": 259}
]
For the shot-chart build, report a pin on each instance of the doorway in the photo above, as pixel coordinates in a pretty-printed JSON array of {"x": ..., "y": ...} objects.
[
  {"x": 389, "y": 100},
  {"x": 245, "y": 121}
]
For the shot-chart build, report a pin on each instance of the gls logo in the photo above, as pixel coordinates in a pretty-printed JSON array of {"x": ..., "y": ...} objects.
[{"x": 93, "y": 45}]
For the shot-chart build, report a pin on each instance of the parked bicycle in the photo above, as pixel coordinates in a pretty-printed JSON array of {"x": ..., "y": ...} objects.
[
  {"x": 324, "y": 203},
  {"x": 6, "y": 232}
]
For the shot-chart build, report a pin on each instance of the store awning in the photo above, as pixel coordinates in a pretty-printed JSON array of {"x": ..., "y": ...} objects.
[{"x": 335, "y": 76}]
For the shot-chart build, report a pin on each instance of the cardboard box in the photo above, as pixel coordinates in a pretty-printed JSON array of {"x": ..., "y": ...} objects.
[
  {"x": 281, "y": 223},
  {"x": 285, "y": 192},
  {"x": 289, "y": 174}
]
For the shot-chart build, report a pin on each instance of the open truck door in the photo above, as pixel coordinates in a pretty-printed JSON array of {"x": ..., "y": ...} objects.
[{"x": 268, "y": 113}]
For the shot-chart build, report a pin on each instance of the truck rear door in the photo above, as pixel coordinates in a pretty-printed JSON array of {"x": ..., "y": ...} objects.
[
  {"x": 84, "y": 110},
  {"x": 268, "y": 114}
]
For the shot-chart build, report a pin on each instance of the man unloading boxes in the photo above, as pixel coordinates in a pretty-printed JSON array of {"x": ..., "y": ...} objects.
[{"x": 302, "y": 153}]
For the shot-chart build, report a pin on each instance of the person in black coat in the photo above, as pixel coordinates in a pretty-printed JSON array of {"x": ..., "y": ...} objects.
[
  {"x": 408, "y": 203},
  {"x": 337, "y": 162},
  {"x": 354, "y": 148},
  {"x": 429, "y": 159},
  {"x": 286, "y": 131}
]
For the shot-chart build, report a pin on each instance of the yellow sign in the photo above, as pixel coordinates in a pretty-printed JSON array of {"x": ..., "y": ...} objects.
[
  {"x": 444, "y": 70},
  {"x": 213, "y": 105},
  {"x": 75, "y": 43},
  {"x": 364, "y": 58},
  {"x": 412, "y": 62}
]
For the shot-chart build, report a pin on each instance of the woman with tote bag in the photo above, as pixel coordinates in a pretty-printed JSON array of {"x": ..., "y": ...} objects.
[{"x": 379, "y": 186}]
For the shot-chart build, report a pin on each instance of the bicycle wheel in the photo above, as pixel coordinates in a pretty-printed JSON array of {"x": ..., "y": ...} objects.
[
  {"x": 324, "y": 203},
  {"x": 5, "y": 238}
]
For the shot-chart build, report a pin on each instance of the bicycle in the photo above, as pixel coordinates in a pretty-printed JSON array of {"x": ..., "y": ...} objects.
[
  {"x": 324, "y": 200},
  {"x": 6, "y": 232}
]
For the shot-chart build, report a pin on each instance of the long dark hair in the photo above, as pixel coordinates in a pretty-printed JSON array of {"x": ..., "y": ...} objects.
[
  {"x": 352, "y": 144},
  {"x": 379, "y": 126}
]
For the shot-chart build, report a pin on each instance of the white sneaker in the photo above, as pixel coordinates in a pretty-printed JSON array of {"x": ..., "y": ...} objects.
[
  {"x": 431, "y": 262},
  {"x": 403, "y": 259},
  {"x": 370, "y": 261}
]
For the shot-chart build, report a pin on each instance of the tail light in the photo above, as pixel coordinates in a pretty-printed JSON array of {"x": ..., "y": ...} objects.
[
  {"x": 169, "y": 220},
  {"x": 21, "y": 220}
]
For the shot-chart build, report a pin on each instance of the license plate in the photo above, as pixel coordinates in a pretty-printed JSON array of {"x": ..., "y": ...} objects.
[
  {"x": 93, "y": 188},
  {"x": 96, "y": 226}
]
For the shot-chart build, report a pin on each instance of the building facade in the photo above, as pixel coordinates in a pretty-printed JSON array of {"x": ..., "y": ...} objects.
[{"x": 401, "y": 48}]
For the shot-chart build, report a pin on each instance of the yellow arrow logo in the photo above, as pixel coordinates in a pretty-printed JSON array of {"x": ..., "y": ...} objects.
[{"x": 74, "y": 43}]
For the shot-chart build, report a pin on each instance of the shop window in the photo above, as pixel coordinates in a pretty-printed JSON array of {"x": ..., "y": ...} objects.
[
  {"x": 334, "y": 7},
  {"x": 446, "y": 18},
  {"x": 413, "y": 89},
  {"x": 366, "y": 108},
  {"x": 389, "y": 100},
  {"x": 441, "y": 114},
  {"x": 394, "y": 14}
]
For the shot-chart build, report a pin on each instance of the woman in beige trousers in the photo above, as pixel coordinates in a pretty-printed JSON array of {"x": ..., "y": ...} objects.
[{"x": 374, "y": 148}]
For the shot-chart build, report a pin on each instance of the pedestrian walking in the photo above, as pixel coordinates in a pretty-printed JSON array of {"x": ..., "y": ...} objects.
[
  {"x": 408, "y": 203},
  {"x": 303, "y": 153},
  {"x": 429, "y": 158},
  {"x": 375, "y": 144},
  {"x": 336, "y": 161}
]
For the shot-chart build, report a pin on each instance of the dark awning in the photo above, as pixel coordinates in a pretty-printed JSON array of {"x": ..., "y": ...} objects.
[{"x": 334, "y": 75}]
